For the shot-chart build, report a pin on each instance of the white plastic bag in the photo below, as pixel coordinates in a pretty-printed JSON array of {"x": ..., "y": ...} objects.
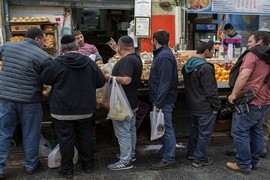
[
  {"x": 119, "y": 105},
  {"x": 44, "y": 146},
  {"x": 157, "y": 124},
  {"x": 54, "y": 158}
]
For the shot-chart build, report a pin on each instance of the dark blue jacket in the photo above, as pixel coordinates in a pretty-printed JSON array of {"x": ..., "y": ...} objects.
[
  {"x": 163, "y": 80},
  {"x": 19, "y": 77}
]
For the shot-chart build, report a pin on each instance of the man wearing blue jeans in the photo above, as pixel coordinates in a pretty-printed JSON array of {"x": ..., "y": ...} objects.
[
  {"x": 163, "y": 93},
  {"x": 20, "y": 90},
  {"x": 202, "y": 96},
  {"x": 248, "y": 125},
  {"x": 127, "y": 72}
]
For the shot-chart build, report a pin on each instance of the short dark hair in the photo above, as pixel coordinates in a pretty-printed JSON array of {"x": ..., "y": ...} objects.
[
  {"x": 228, "y": 26},
  {"x": 261, "y": 35},
  {"x": 76, "y": 32},
  {"x": 34, "y": 32},
  {"x": 126, "y": 41},
  {"x": 162, "y": 37},
  {"x": 203, "y": 46}
]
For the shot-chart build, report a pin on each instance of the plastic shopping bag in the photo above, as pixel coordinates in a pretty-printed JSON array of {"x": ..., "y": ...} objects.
[
  {"x": 157, "y": 124},
  {"x": 54, "y": 158},
  {"x": 119, "y": 106},
  {"x": 103, "y": 96},
  {"x": 44, "y": 146}
]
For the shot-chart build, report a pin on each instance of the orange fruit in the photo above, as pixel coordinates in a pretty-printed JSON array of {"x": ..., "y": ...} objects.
[
  {"x": 219, "y": 71},
  {"x": 217, "y": 76}
]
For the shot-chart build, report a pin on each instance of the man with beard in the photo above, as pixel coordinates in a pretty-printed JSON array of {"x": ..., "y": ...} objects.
[
  {"x": 248, "y": 129},
  {"x": 163, "y": 82}
]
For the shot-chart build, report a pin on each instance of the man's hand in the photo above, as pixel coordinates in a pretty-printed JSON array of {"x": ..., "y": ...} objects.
[
  {"x": 232, "y": 98},
  {"x": 112, "y": 44},
  {"x": 107, "y": 76}
]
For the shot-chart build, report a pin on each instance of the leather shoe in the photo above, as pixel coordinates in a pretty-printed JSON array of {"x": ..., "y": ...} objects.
[
  {"x": 235, "y": 167},
  {"x": 263, "y": 153},
  {"x": 161, "y": 165}
]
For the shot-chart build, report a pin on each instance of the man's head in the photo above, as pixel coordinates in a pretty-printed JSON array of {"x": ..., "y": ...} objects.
[
  {"x": 79, "y": 37},
  {"x": 206, "y": 49},
  {"x": 261, "y": 37},
  {"x": 37, "y": 35},
  {"x": 125, "y": 45},
  {"x": 251, "y": 41},
  {"x": 229, "y": 29},
  {"x": 68, "y": 43},
  {"x": 160, "y": 37}
]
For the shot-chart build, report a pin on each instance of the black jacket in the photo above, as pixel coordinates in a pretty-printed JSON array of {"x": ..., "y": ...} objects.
[
  {"x": 74, "y": 79},
  {"x": 200, "y": 86}
]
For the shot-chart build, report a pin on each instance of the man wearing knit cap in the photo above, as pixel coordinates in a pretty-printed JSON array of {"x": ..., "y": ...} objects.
[
  {"x": 74, "y": 79},
  {"x": 127, "y": 72}
]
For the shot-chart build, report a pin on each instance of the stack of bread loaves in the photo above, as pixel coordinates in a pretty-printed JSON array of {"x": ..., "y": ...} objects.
[{"x": 50, "y": 41}]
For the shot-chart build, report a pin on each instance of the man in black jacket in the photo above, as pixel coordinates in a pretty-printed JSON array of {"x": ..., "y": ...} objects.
[
  {"x": 74, "y": 79},
  {"x": 202, "y": 95}
]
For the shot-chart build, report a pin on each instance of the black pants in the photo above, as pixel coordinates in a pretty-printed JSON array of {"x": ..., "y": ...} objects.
[{"x": 70, "y": 132}]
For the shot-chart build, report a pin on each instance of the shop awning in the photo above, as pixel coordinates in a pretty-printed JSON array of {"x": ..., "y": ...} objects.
[{"x": 99, "y": 4}]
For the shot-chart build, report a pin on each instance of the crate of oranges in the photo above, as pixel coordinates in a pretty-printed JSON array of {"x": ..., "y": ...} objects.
[{"x": 222, "y": 70}]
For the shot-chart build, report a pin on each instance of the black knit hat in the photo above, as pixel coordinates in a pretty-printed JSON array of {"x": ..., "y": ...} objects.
[
  {"x": 67, "y": 39},
  {"x": 126, "y": 40}
]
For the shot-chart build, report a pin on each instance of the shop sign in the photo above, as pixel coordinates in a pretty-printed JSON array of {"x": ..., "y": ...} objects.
[
  {"x": 228, "y": 6},
  {"x": 143, "y": 8}
]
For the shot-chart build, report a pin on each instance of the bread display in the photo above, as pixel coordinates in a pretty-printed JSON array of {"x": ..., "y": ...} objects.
[
  {"x": 50, "y": 41},
  {"x": 16, "y": 38},
  {"x": 48, "y": 27},
  {"x": 29, "y": 19}
]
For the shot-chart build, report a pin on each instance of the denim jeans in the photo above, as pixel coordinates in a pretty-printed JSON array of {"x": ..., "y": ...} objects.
[
  {"x": 125, "y": 131},
  {"x": 168, "y": 141},
  {"x": 29, "y": 116},
  {"x": 248, "y": 135},
  {"x": 71, "y": 131},
  {"x": 202, "y": 126}
]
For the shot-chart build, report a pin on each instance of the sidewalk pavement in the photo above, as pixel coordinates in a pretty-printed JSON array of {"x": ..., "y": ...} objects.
[{"x": 182, "y": 170}]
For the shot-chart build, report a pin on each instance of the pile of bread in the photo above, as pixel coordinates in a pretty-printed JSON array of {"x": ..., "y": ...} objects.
[
  {"x": 50, "y": 41},
  {"x": 16, "y": 38},
  {"x": 29, "y": 19}
]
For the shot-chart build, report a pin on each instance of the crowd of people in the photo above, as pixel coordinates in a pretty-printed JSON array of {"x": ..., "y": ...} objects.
[{"x": 74, "y": 77}]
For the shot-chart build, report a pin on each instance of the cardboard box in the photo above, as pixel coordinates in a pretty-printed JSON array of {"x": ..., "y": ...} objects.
[{"x": 23, "y": 27}]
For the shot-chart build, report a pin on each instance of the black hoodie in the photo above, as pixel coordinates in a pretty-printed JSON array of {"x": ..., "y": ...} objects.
[{"x": 74, "y": 79}]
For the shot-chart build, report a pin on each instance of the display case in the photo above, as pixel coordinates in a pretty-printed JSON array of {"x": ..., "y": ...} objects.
[{"x": 18, "y": 30}]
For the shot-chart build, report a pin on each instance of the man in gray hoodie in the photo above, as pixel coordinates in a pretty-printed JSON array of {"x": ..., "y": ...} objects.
[{"x": 202, "y": 96}]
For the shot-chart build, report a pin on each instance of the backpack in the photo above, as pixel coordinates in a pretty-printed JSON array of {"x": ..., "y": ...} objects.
[{"x": 261, "y": 51}]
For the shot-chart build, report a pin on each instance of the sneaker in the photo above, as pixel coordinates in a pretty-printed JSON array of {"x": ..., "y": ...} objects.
[
  {"x": 161, "y": 165},
  {"x": 235, "y": 167},
  {"x": 207, "y": 162},
  {"x": 190, "y": 157},
  {"x": 230, "y": 152},
  {"x": 133, "y": 158},
  {"x": 2, "y": 176},
  {"x": 119, "y": 166}
]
